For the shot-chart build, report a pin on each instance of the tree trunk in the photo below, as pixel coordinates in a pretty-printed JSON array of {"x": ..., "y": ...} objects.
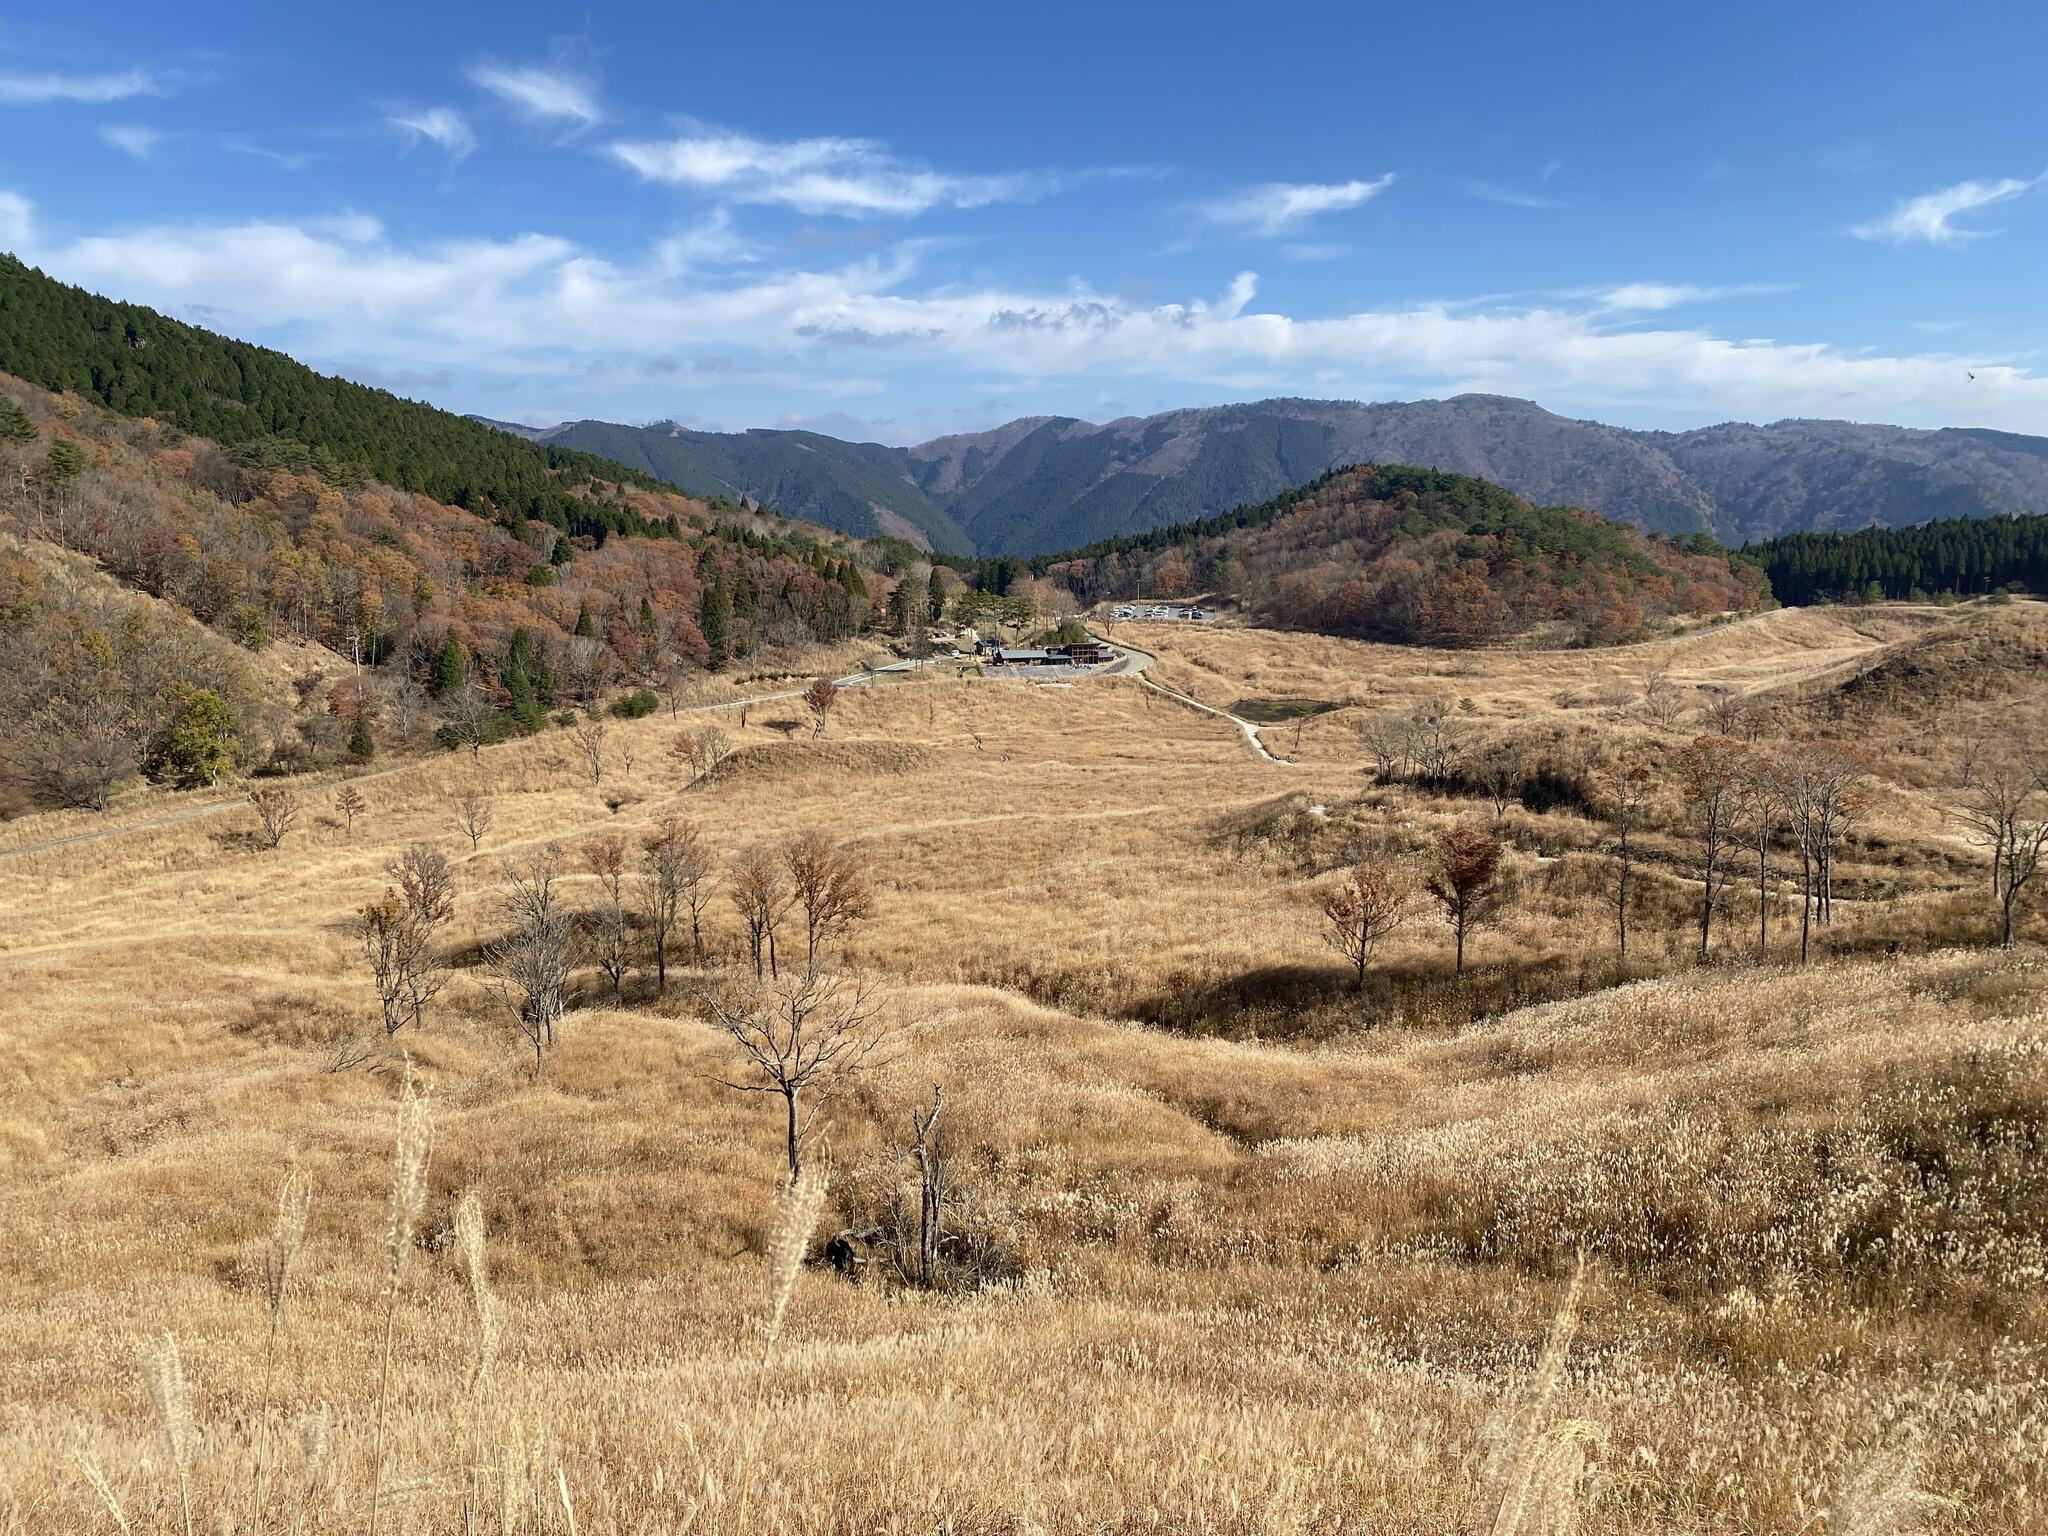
[
  {"x": 1621, "y": 898},
  {"x": 1763, "y": 910},
  {"x": 796, "y": 1160},
  {"x": 1707, "y": 906},
  {"x": 1805, "y": 905}
]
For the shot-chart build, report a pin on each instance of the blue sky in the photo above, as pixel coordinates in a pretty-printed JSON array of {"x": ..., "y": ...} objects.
[{"x": 894, "y": 222}]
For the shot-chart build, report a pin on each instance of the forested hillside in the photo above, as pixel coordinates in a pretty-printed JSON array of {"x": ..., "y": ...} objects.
[
  {"x": 150, "y": 582},
  {"x": 1420, "y": 556},
  {"x": 1957, "y": 556},
  {"x": 265, "y": 409},
  {"x": 860, "y": 488}
]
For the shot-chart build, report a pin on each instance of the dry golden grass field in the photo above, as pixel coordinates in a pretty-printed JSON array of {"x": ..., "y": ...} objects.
[{"x": 1237, "y": 1248}]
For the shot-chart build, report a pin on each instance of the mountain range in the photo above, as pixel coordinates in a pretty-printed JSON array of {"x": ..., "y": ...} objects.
[{"x": 1045, "y": 483}]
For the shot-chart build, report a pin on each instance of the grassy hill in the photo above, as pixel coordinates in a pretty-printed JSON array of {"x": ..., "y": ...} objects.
[{"x": 1301, "y": 1244}]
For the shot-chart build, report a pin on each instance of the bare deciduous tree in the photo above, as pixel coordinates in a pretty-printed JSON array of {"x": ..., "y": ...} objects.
[
  {"x": 758, "y": 892},
  {"x": 929, "y": 1158},
  {"x": 530, "y": 963},
  {"x": 350, "y": 802},
  {"x": 1760, "y": 802},
  {"x": 804, "y": 1037},
  {"x": 1726, "y": 711},
  {"x": 1823, "y": 795},
  {"x": 277, "y": 812},
  {"x": 471, "y": 721},
  {"x": 607, "y": 931},
  {"x": 819, "y": 699},
  {"x": 1386, "y": 738},
  {"x": 397, "y": 935},
  {"x": 1661, "y": 702},
  {"x": 1710, "y": 775},
  {"x": 1999, "y": 807},
  {"x": 1368, "y": 904},
  {"x": 701, "y": 750},
  {"x": 1622, "y": 793},
  {"x": 825, "y": 884},
  {"x": 674, "y": 873},
  {"x": 589, "y": 739},
  {"x": 1433, "y": 739},
  {"x": 1499, "y": 776},
  {"x": 474, "y": 814}
]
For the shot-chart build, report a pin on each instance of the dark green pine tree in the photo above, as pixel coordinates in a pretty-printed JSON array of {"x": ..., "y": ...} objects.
[
  {"x": 714, "y": 619},
  {"x": 935, "y": 597},
  {"x": 585, "y": 630},
  {"x": 15, "y": 427},
  {"x": 452, "y": 671},
  {"x": 525, "y": 678},
  {"x": 362, "y": 746},
  {"x": 850, "y": 578},
  {"x": 903, "y": 608}
]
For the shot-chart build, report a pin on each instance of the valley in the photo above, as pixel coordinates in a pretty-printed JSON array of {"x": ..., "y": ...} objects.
[{"x": 1234, "y": 1244}]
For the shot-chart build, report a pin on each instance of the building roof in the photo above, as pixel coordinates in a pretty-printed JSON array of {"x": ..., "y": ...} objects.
[{"x": 1025, "y": 655}]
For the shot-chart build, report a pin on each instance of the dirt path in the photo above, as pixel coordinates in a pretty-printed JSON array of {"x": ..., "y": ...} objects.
[{"x": 1134, "y": 662}]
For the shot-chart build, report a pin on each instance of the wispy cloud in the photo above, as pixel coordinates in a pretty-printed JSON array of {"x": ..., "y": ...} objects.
[
  {"x": 1652, "y": 297},
  {"x": 27, "y": 90},
  {"x": 438, "y": 125},
  {"x": 1506, "y": 196},
  {"x": 138, "y": 142},
  {"x": 553, "y": 93},
  {"x": 17, "y": 223},
  {"x": 1277, "y": 208},
  {"x": 853, "y": 177},
  {"x": 1931, "y": 217},
  {"x": 283, "y": 159}
]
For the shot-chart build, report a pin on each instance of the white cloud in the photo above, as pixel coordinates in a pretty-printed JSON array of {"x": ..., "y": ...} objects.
[
  {"x": 854, "y": 177},
  {"x": 438, "y": 125},
  {"x": 1931, "y": 216},
  {"x": 513, "y": 313},
  {"x": 712, "y": 242},
  {"x": 22, "y": 90},
  {"x": 141, "y": 143},
  {"x": 1507, "y": 197},
  {"x": 1661, "y": 296},
  {"x": 1282, "y": 207},
  {"x": 17, "y": 224},
  {"x": 545, "y": 94}
]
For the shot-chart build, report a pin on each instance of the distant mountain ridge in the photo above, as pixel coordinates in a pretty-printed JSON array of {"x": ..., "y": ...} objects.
[{"x": 1044, "y": 483}]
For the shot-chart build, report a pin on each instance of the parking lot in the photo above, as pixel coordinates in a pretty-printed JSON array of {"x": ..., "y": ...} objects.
[{"x": 1186, "y": 612}]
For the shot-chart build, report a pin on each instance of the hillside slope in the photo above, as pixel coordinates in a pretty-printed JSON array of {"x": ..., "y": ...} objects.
[
  {"x": 1421, "y": 556},
  {"x": 859, "y": 488},
  {"x": 202, "y": 564}
]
